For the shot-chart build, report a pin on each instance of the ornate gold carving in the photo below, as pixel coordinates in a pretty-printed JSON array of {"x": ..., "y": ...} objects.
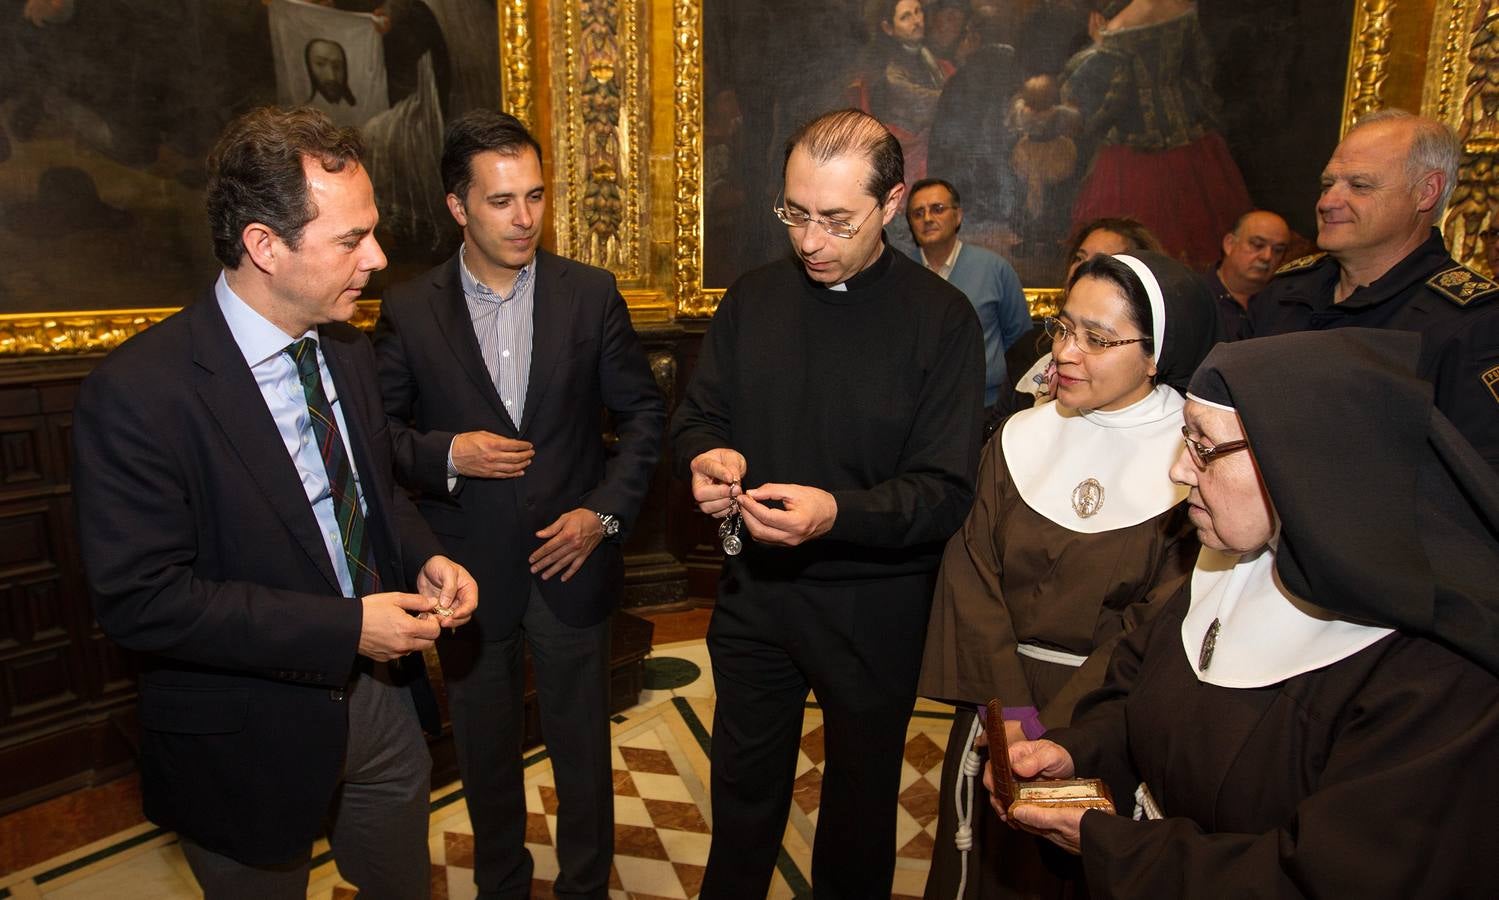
[
  {"x": 687, "y": 160},
  {"x": 1043, "y": 301},
  {"x": 1448, "y": 30},
  {"x": 82, "y": 331},
  {"x": 599, "y": 134},
  {"x": 516, "y": 89},
  {"x": 1468, "y": 56},
  {"x": 102, "y": 330},
  {"x": 1368, "y": 59}
]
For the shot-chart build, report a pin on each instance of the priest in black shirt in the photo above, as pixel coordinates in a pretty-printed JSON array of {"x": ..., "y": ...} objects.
[{"x": 836, "y": 413}]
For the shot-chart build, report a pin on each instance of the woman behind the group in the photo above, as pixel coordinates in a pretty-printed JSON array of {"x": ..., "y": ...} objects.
[
  {"x": 1075, "y": 522},
  {"x": 1316, "y": 712}
]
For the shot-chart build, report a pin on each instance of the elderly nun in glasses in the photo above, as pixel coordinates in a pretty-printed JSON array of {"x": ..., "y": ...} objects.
[
  {"x": 1316, "y": 712},
  {"x": 1075, "y": 528}
]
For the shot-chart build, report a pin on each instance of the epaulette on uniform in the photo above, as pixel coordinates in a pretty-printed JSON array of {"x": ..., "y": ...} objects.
[
  {"x": 1463, "y": 286},
  {"x": 1302, "y": 262}
]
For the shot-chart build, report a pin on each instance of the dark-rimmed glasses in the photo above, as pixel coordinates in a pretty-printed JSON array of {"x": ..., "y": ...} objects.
[
  {"x": 796, "y": 218},
  {"x": 1203, "y": 456},
  {"x": 1086, "y": 341}
]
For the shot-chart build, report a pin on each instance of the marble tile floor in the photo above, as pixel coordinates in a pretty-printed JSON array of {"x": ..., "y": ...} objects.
[{"x": 662, "y": 818}]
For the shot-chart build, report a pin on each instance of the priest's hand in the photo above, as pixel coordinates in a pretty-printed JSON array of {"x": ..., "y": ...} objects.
[
  {"x": 1061, "y": 825},
  {"x": 807, "y": 514},
  {"x": 715, "y": 478}
]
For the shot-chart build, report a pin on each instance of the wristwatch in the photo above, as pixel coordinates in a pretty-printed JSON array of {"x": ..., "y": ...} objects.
[{"x": 610, "y": 524}]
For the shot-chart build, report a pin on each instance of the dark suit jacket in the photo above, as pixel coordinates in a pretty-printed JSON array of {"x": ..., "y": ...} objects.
[
  {"x": 585, "y": 357},
  {"x": 204, "y": 555}
]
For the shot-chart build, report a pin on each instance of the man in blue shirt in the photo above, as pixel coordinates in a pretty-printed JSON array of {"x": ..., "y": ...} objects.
[{"x": 983, "y": 276}]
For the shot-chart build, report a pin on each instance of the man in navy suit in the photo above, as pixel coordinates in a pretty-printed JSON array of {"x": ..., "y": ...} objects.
[
  {"x": 497, "y": 367},
  {"x": 241, "y": 530}
]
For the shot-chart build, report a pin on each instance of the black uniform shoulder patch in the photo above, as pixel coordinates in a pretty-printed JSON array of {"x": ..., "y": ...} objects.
[
  {"x": 1303, "y": 262},
  {"x": 1491, "y": 381},
  {"x": 1463, "y": 286}
]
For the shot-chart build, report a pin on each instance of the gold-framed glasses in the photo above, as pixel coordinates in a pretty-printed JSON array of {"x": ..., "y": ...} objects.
[
  {"x": 1086, "y": 341},
  {"x": 838, "y": 228},
  {"x": 1203, "y": 455}
]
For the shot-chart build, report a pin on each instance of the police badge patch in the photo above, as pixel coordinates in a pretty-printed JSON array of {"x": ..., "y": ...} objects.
[
  {"x": 1462, "y": 285},
  {"x": 1301, "y": 262},
  {"x": 1491, "y": 381}
]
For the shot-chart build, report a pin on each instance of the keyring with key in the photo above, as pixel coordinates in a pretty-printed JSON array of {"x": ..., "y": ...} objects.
[{"x": 728, "y": 529}]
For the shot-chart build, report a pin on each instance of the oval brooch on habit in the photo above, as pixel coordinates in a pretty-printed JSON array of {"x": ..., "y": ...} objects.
[{"x": 1087, "y": 498}]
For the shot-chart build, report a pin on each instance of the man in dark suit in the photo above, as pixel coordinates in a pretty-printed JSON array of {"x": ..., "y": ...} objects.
[
  {"x": 241, "y": 530},
  {"x": 496, "y": 367}
]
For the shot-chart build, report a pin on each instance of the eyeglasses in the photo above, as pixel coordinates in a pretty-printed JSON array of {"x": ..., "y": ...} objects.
[
  {"x": 795, "y": 218},
  {"x": 1203, "y": 456},
  {"x": 1086, "y": 341},
  {"x": 935, "y": 209}
]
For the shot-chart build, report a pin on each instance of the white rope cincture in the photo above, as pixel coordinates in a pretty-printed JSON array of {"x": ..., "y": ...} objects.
[{"x": 973, "y": 764}]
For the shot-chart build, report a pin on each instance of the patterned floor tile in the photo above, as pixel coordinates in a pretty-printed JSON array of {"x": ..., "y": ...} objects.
[{"x": 662, "y": 817}]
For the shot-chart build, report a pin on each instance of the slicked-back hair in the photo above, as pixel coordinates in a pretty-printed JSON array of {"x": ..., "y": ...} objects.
[
  {"x": 479, "y": 131},
  {"x": 1434, "y": 148},
  {"x": 255, "y": 174},
  {"x": 1136, "y": 236},
  {"x": 852, "y": 132},
  {"x": 925, "y": 183},
  {"x": 1128, "y": 284}
]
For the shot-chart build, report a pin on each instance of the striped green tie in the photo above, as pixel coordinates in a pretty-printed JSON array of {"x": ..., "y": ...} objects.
[{"x": 336, "y": 465}]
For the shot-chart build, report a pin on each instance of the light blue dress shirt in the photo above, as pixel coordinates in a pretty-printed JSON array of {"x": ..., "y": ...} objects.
[{"x": 263, "y": 346}]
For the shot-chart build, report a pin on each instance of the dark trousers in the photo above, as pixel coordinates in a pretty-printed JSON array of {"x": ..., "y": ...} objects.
[
  {"x": 485, "y": 683},
  {"x": 858, "y": 646},
  {"x": 377, "y": 826}
]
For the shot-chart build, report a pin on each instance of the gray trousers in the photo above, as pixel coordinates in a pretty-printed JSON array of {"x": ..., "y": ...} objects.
[{"x": 377, "y": 825}]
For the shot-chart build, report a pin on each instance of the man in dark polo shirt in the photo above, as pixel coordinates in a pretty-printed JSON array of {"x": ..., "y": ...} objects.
[{"x": 1251, "y": 254}]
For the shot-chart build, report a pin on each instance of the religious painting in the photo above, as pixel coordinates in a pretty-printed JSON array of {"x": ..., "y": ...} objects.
[
  {"x": 108, "y": 109},
  {"x": 1042, "y": 113}
]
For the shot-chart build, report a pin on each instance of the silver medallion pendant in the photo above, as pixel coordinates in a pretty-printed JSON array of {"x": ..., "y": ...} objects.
[
  {"x": 1209, "y": 643},
  {"x": 728, "y": 529},
  {"x": 1087, "y": 498}
]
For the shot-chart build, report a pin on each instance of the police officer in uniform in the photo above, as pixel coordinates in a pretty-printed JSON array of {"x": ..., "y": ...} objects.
[{"x": 1386, "y": 266}]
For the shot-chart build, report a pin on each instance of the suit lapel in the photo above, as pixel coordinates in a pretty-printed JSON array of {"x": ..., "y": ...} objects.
[
  {"x": 451, "y": 311},
  {"x": 229, "y": 390},
  {"x": 551, "y": 316}
]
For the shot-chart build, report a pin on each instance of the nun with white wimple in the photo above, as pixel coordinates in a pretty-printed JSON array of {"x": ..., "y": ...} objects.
[
  {"x": 1316, "y": 712},
  {"x": 1076, "y": 533}
]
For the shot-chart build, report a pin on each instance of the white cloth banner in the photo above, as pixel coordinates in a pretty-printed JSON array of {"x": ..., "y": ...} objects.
[{"x": 328, "y": 58}]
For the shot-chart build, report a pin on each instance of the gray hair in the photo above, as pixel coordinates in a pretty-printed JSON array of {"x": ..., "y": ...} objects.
[{"x": 1434, "y": 148}]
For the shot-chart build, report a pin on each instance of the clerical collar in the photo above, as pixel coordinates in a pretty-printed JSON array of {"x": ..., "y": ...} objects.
[{"x": 865, "y": 278}]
